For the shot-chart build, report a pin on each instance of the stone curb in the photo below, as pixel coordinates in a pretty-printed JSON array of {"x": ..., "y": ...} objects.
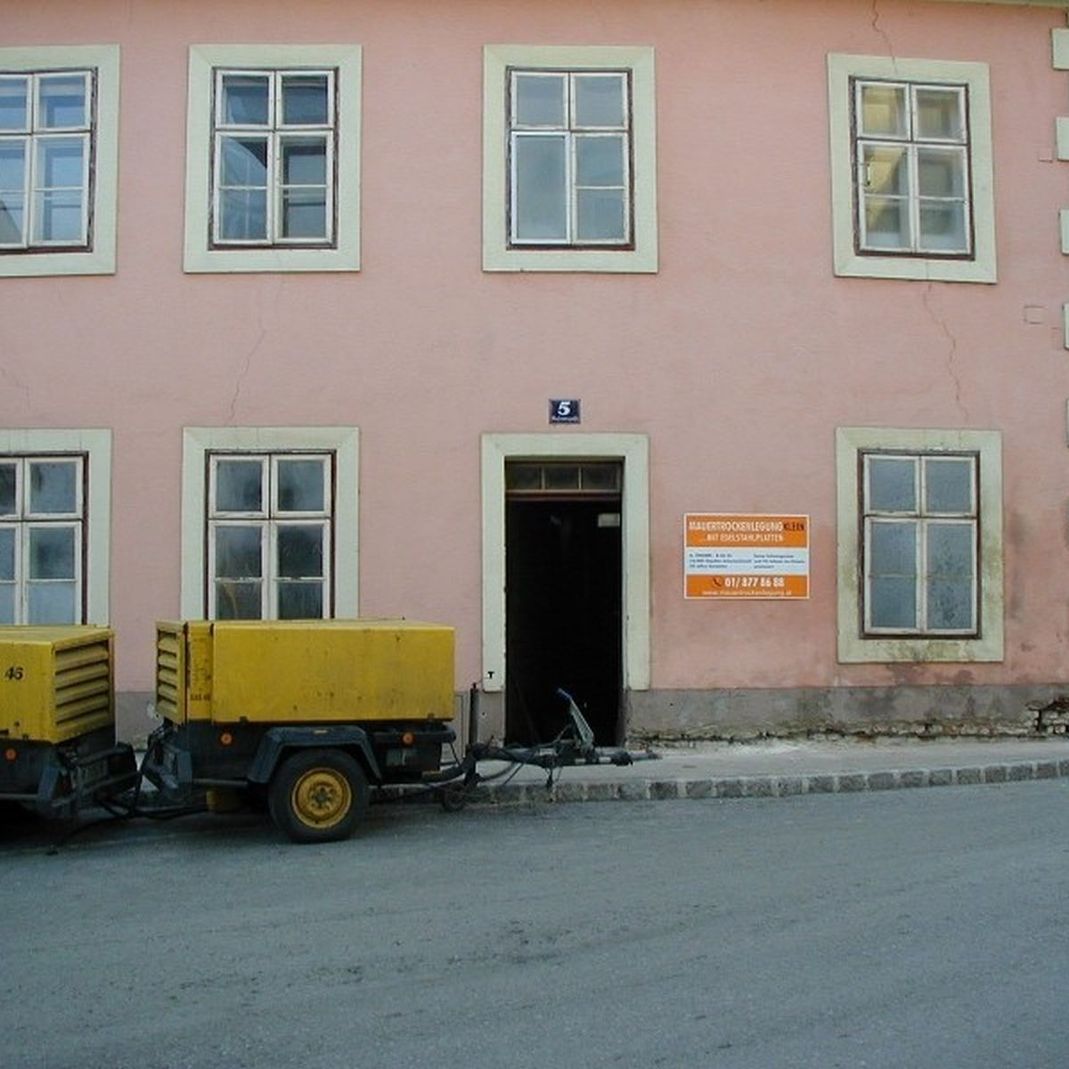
[{"x": 769, "y": 786}]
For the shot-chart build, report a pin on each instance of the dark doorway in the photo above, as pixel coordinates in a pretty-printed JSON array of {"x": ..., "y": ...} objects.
[{"x": 563, "y": 597}]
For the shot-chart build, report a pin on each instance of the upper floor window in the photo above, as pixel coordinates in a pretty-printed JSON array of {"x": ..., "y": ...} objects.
[
  {"x": 58, "y": 149},
  {"x": 269, "y": 536},
  {"x": 42, "y": 534},
  {"x": 569, "y": 158},
  {"x": 274, "y": 146},
  {"x": 911, "y": 156},
  {"x": 569, "y": 168},
  {"x": 273, "y": 158}
]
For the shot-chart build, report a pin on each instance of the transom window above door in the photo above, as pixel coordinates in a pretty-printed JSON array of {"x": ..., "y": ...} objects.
[{"x": 269, "y": 536}]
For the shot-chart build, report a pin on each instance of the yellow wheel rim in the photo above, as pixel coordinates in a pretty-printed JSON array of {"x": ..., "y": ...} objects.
[{"x": 321, "y": 798}]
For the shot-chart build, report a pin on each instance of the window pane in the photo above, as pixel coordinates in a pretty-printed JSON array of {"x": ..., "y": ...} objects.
[
  {"x": 300, "y": 601},
  {"x": 562, "y": 476},
  {"x": 304, "y": 161},
  {"x": 300, "y": 486},
  {"x": 52, "y": 553},
  {"x": 13, "y": 100},
  {"x": 246, "y": 99},
  {"x": 523, "y": 477},
  {"x": 950, "y": 605},
  {"x": 238, "y": 601},
  {"x": 943, "y": 226},
  {"x": 883, "y": 111},
  {"x": 239, "y": 486},
  {"x": 7, "y": 554},
  {"x": 892, "y": 549},
  {"x": 892, "y": 484},
  {"x": 539, "y": 99},
  {"x": 886, "y": 170},
  {"x": 53, "y": 487},
  {"x": 243, "y": 161},
  {"x": 305, "y": 100},
  {"x": 300, "y": 552},
  {"x": 599, "y": 100},
  {"x": 237, "y": 553},
  {"x": 601, "y": 477},
  {"x": 893, "y": 603},
  {"x": 61, "y": 101},
  {"x": 59, "y": 217},
  {"x": 950, "y": 549},
  {"x": 941, "y": 172},
  {"x": 886, "y": 223},
  {"x": 13, "y": 164},
  {"x": 304, "y": 213},
  {"x": 7, "y": 603},
  {"x": 601, "y": 215},
  {"x": 948, "y": 485},
  {"x": 52, "y": 603},
  {"x": 541, "y": 194},
  {"x": 243, "y": 215},
  {"x": 12, "y": 218},
  {"x": 599, "y": 161},
  {"x": 60, "y": 163},
  {"x": 939, "y": 114},
  {"x": 7, "y": 490}
]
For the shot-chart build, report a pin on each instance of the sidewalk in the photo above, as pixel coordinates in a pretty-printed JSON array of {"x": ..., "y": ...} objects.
[{"x": 778, "y": 768}]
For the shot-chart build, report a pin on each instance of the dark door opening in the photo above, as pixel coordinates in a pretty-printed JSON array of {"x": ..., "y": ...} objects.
[{"x": 563, "y": 599}]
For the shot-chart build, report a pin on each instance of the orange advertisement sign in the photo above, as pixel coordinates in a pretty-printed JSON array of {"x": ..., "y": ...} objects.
[{"x": 745, "y": 555}]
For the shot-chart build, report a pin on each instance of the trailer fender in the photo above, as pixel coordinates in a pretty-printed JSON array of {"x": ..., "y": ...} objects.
[{"x": 277, "y": 742}]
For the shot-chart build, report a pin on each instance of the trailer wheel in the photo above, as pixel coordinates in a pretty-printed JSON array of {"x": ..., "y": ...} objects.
[{"x": 318, "y": 796}]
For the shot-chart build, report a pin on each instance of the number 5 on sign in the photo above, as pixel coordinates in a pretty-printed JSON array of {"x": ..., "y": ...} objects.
[{"x": 564, "y": 410}]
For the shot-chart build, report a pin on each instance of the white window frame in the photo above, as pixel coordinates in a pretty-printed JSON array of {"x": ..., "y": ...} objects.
[
  {"x": 268, "y": 519},
  {"x": 853, "y": 645},
  {"x": 639, "y": 255},
  {"x": 97, "y": 257},
  {"x": 94, "y": 448},
  {"x": 199, "y": 442},
  {"x": 342, "y": 253},
  {"x": 843, "y": 72}
]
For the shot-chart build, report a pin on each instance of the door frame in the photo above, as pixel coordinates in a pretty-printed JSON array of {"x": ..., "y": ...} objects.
[{"x": 632, "y": 450}]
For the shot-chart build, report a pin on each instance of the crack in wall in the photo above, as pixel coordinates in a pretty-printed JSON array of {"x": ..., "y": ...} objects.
[
  {"x": 16, "y": 382},
  {"x": 877, "y": 28},
  {"x": 952, "y": 352}
]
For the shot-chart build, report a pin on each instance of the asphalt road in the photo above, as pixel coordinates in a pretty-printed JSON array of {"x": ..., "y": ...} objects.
[{"x": 906, "y": 928}]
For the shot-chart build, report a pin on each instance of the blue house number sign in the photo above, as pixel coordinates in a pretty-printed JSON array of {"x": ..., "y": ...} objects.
[{"x": 564, "y": 411}]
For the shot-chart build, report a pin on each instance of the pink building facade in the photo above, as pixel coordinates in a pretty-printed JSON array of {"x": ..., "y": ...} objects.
[{"x": 708, "y": 359}]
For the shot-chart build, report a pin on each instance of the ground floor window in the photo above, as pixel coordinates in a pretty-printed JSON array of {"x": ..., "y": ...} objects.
[
  {"x": 269, "y": 520},
  {"x": 920, "y": 545},
  {"x": 42, "y": 539}
]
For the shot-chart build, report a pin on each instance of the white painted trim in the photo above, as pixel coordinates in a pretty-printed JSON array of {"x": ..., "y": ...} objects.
[
  {"x": 100, "y": 260},
  {"x": 1061, "y": 134},
  {"x": 1060, "y": 49},
  {"x": 497, "y": 256},
  {"x": 841, "y": 68},
  {"x": 852, "y": 648},
  {"x": 199, "y": 257},
  {"x": 96, "y": 444},
  {"x": 633, "y": 450},
  {"x": 343, "y": 441}
]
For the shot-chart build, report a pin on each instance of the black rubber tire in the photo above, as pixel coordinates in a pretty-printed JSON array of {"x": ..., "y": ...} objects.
[{"x": 318, "y": 796}]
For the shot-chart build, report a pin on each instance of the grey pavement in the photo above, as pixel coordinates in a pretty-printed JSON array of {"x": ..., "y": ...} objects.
[{"x": 782, "y": 767}]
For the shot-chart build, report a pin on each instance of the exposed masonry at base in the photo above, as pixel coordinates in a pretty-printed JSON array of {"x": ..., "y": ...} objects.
[{"x": 761, "y": 786}]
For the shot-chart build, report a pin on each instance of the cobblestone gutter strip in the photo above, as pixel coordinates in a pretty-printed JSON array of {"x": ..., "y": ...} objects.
[{"x": 767, "y": 786}]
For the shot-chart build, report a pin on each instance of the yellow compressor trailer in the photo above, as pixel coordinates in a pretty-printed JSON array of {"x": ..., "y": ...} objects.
[
  {"x": 305, "y": 715},
  {"x": 57, "y": 719}
]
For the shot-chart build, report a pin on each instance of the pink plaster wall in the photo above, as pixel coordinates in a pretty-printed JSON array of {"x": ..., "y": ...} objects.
[{"x": 738, "y": 359}]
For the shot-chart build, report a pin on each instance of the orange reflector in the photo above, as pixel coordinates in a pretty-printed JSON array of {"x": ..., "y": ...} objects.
[
  {"x": 408, "y": 738},
  {"x": 10, "y": 754},
  {"x": 226, "y": 738}
]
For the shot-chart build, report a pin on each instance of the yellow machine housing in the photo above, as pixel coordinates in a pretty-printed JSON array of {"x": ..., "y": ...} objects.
[
  {"x": 303, "y": 671},
  {"x": 56, "y": 683}
]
